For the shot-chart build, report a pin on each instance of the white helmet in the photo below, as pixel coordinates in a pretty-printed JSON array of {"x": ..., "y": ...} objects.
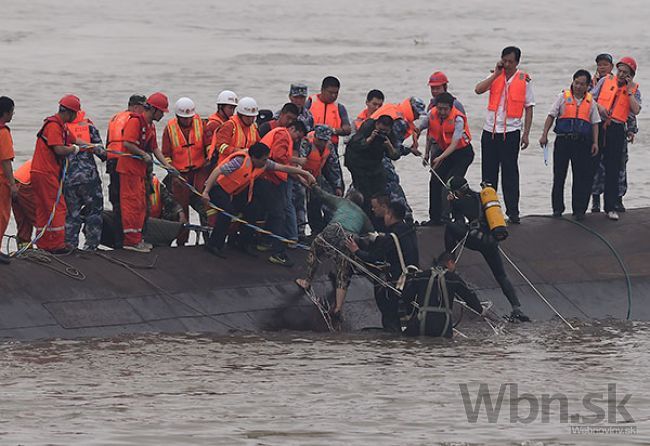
[
  {"x": 227, "y": 97},
  {"x": 247, "y": 107},
  {"x": 185, "y": 108}
]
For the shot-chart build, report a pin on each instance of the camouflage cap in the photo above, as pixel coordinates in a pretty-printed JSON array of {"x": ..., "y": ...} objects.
[
  {"x": 323, "y": 132},
  {"x": 298, "y": 90},
  {"x": 418, "y": 105}
]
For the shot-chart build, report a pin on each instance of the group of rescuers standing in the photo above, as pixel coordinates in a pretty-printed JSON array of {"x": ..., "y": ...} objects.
[{"x": 284, "y": 168}]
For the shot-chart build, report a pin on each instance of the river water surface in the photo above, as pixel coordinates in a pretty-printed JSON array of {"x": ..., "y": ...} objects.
[{"x": 300, "y": 389}]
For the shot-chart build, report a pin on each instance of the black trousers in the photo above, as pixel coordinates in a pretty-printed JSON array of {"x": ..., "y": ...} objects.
[
  {"x": 388, "y": 305},
  {"x": 488, "y": 246},
  {"x": 455, "y": 165},
  {"x": 578, "y": 153},
  {"x": 232, "y": 205},
  {"x": 271, "y": 202},
  {"x": 499, "y": 152},
  {"x": 612, "y": 142}
]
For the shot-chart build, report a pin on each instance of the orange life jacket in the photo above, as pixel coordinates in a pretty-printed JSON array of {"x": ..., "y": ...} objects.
[
  {"x": 326, "y": 114},
  {"x": 403, "y": 110},
  {"x": 155, "y": 201},
  {"x": 361, "y": 117},
  {"x": 80, "y": 127},
  {"x": 242, "y": 178},
  {"x": 515, "y": 94},
  {"x": 315, "y": 159},
  {"x": 115, "y": 133},
  {"x": 615, "y": 99},
  {"x": 442, "y": 132},
  {"x": 214, "y": 120},
  {"x": 274, "y": 176},
  {"x": 242, "y": 137},
  {"x": 23, "y": 174},
  {"x": 187, "y": 155},
  {"x": 45, "y": 160}
]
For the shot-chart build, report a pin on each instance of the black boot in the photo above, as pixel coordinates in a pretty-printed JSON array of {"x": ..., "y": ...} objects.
[
  {"x": 619, "y": 205},
  {"x": 595, "y": 203},
  {"x": 5, "y": 259},
  {"x": 518, "y": 316}
]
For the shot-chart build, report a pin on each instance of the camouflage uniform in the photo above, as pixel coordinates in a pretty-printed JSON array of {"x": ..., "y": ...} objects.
[
  {"x": 599, "y": 177},
  {"x": 305, "y": 115},
  {"x": 83, "y": 195}
]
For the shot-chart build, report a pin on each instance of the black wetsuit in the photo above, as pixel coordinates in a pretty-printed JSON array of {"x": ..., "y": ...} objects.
[{"x": 467, "y": 215}]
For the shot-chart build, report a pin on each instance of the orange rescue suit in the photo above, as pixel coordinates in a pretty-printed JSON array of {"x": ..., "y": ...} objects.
[
  {"x": 233, "y": 135},
  {"x": 187, "y": 155}
]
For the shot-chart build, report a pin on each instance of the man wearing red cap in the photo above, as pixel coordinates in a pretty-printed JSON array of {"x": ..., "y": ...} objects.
[
  {"x": 618, "y": 97},
  {"x": 139, "y": 140},
  {"x": 53, "y": 142}
]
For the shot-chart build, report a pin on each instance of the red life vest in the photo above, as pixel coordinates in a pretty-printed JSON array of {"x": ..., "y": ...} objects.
[
  {"x": 155, "y": 201},
  {"x": 45, "y": 160},
  {"x": 326, "y": 114},
  {"x": 316, "y": 159},
  {"x": 23, "y": 174},
  {"x": 80, "y": 127},
  {"x": 615, "y": 99},
  {"x": 277, "y": 156},
  {"x": 187, "y": 155},
  {"x": 115, "y": 133},
  {"x": 133, "y": 166},
  {"x": 242, "y": 178},
  {"x": 443, "y": 132},
  {"x": 515, "y": 94}
]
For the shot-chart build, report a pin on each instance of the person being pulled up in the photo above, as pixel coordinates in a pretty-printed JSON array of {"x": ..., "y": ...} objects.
[
  {"x": 399, "y": 248},
  {"x": 468, "y": 219}
]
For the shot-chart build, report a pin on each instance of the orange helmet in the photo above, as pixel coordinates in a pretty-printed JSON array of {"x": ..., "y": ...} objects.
[
  {"x": 630, "y": 62},
  {"x": 437, "y": 79},
  {"x": 159, "y": 101},
  {"x": 71, "y": 102}
]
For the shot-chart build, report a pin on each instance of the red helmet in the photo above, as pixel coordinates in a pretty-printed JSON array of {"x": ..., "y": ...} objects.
[
  {"x": 630, "y": 62},
  {"x": 437, "y": 79},
  {"x": 71, "y": 102},
  {"x": 159, "y": 101}
]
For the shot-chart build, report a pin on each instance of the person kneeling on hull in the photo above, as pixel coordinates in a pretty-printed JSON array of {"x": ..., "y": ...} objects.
[{"x": 477, "y": 216}]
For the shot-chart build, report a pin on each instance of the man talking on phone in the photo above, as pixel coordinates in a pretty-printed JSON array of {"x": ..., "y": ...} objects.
[{"x": 504, "y": 133}]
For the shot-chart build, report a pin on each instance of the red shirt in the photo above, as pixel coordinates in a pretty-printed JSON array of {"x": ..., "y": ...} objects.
[
  {"x": 137, "y": 131},
  {"x": 281, "y": 145},
  {"x": 6, "y": 147},
  {"x": 53, "y": 133}
]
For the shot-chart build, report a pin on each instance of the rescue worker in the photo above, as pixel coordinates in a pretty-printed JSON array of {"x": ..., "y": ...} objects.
[
  {"x": 604, "y": 67},
  {"x": 83, "y": 187},
  {"x": 226, "y": 103},
  {"x": 618, "y": 97},
  {"x": 184, "y": 144},
  {"x": 53, "y": 143},
  {"x": 319, "y": 157},
  {"x": 438, "y": 84},
  {"x": 23, "y": 205},
  {"x": 239, "y": 132},
  {"x": 449, "y": 128},
  {"x": 504, "y": 134},
  {"x": 288, "y": 114},
  {"x": 274, "y": 190},
  {"x": 326, "y": 110},
  {"x": 468, "y": 219},
  {"x": 8, "y": 188},
  {"x": 230, "y": 187},
  {"x": 374, "y": 100},
  {"x": 365, "y": 154},
  {"x": 576, "y": 142},
  {"x": 139, "y": 139},
  {"x": 114, "y": 140},
  {"x": 298, "y": 94},
  {"x": 348, "y": 220},
  {"x": 162, "y": 204},
  {"x": 399, "y": 248}
]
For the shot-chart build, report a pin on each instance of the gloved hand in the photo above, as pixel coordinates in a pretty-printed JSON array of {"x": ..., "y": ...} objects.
[
  {"x": 75, "y": 149},
  {"x": 372, "y": 236}
]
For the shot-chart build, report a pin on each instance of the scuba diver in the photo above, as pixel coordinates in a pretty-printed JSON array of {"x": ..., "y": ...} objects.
[{"x": 478, "y": 218}]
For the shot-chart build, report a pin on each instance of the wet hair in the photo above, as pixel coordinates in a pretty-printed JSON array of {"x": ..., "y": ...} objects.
[
  {"x": 385, "y": 120},
  {"x": 6, "y": 104},
  {"x": 330, "y": 81},
  {"x": 299, "y": 126},
  {"x": 445, "y": 257},
  {"x": 445, "y": 98},
  {"x": 355, "y": 197},
  {"x": 382, "y": 199},
  {"x": 259, "y": 150},
  {"x": 584, "y": 73},
  {"x": 290, "y": 107},
  {"x": 372, "y": 94},
  {"x": 397, "y": 209},
  {"x": 512, "y": 50}
]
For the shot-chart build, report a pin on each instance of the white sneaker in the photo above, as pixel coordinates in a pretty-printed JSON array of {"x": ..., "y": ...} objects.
[
  {"x": 140, "y": 247},
  {"x": 148, "y": 245},
  {"x": 612, "y": 215}
]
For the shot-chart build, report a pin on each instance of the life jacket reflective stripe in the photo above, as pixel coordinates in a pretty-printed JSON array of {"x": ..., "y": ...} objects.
[
  {"x": 361, "y": 117},
  {"x": 242, "y": 178},
  {"x": 155, "y": 202},
  {"x": 23, "y": 174},
  {"x": 515, "y": 94},
  {"x": 575, "y": 119},
  {"x": 403, "y": 110},
  {"x": 326, "y": 114},
  {"x": 269, "y": 138},
  {"x": 443, "y": 132},
  {"x": 187, "y": 155},
  {"x": 115, "y": 133},
  {"x": 80, "y": 127},
  {"x": 315, "y": 159},
  {"x": 242, "y": 136},
  {"x": 615, "y": 99}
]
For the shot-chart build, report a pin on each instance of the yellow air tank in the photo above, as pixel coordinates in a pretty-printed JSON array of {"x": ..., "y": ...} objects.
[{"x": 493, "y": 212}]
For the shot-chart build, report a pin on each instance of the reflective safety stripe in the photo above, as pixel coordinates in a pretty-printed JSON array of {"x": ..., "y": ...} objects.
[
  {"x": 131, "y": 230},
  {"x": 52, "y": 229}
]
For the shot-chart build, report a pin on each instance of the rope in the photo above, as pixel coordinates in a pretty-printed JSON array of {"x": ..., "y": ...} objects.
[
  {"x": 47, "y": 259},
  {"x": 323, "y": 310}
]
